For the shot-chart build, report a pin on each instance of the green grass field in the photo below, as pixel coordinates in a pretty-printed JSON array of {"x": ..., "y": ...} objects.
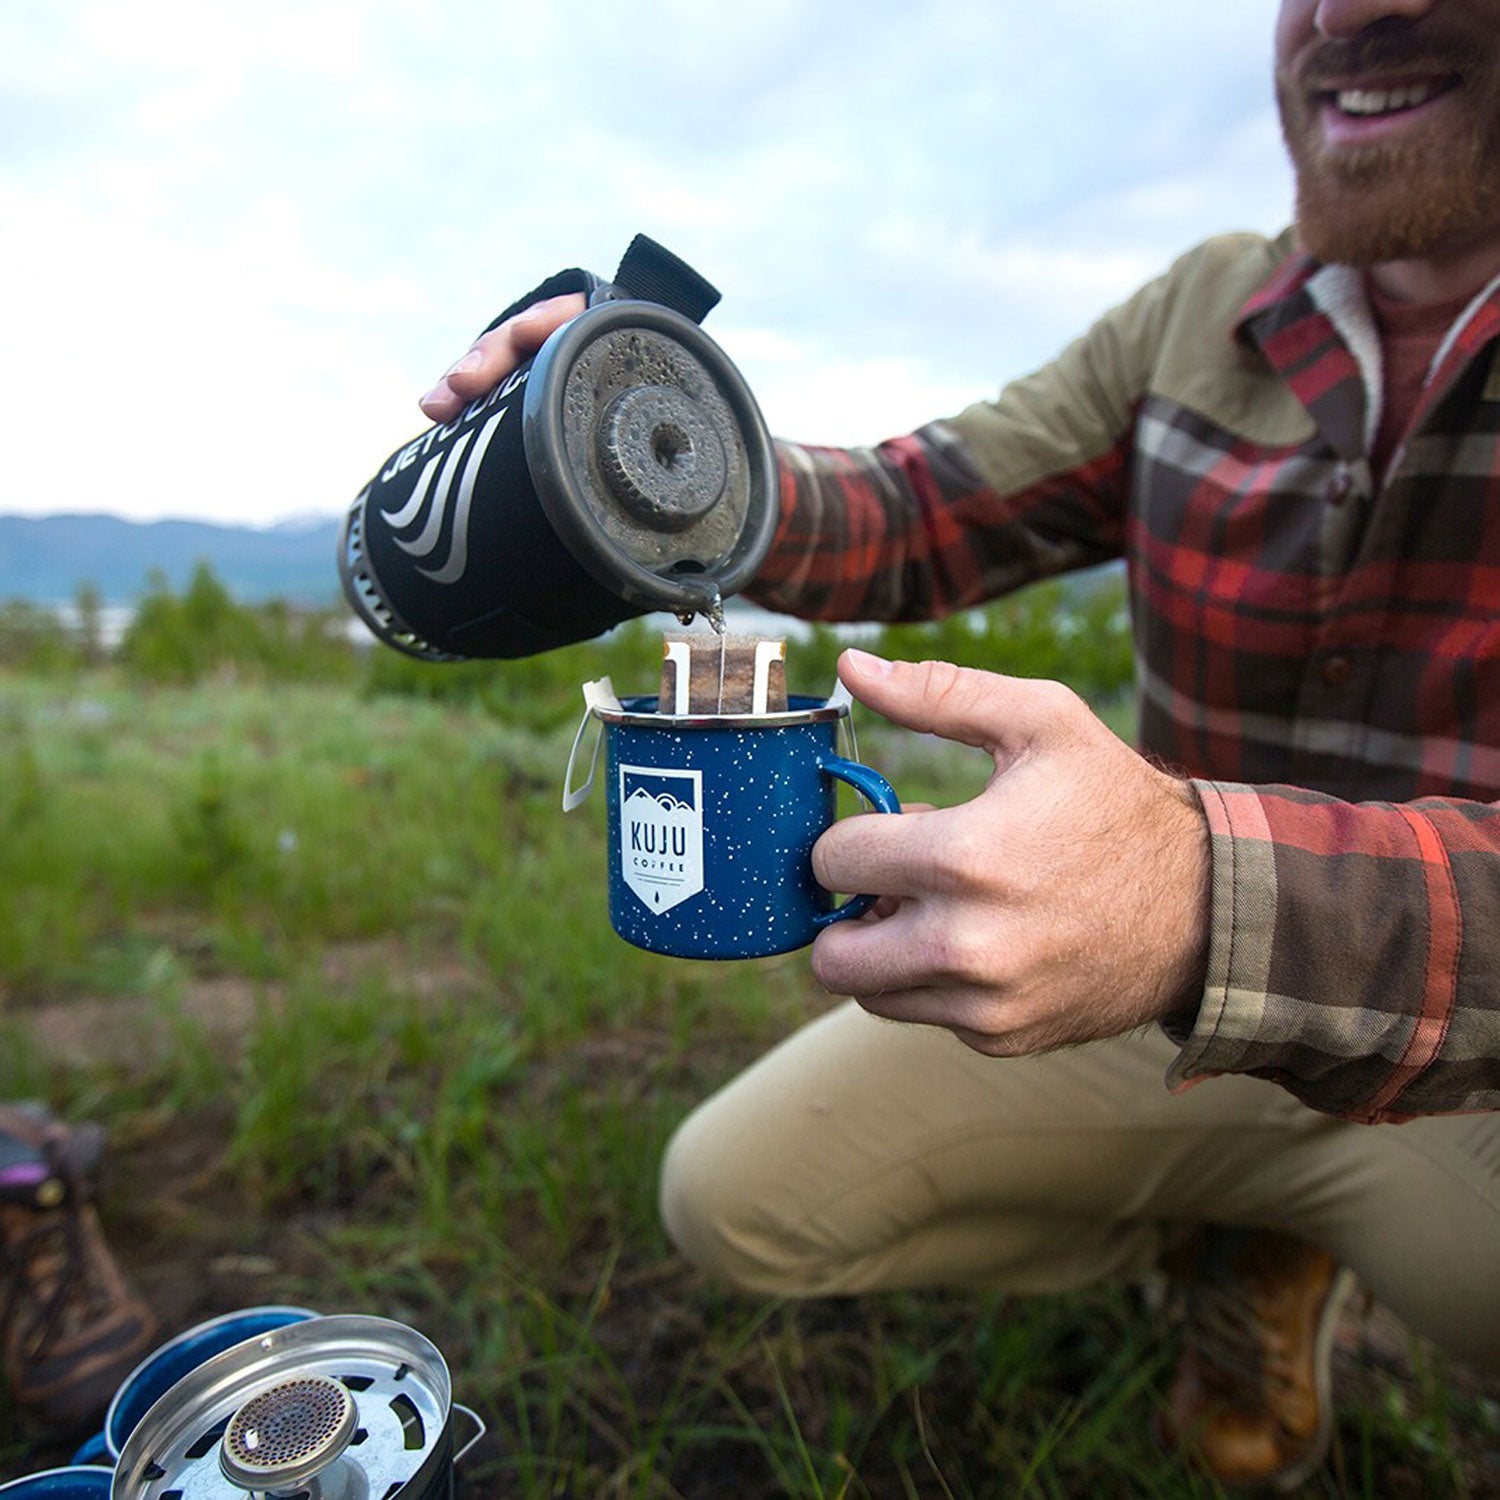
[{"x": 336, "y": 971}]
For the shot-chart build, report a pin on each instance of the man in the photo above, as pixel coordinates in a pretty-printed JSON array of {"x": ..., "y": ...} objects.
[{"x": 1296, "y": 448}]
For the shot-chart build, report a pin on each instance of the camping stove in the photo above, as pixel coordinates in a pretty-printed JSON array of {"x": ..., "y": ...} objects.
[{"x": 334, "y": 1408}]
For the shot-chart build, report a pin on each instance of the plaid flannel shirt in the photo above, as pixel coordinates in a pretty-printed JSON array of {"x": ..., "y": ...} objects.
[{"x": 1317, "y": 647}]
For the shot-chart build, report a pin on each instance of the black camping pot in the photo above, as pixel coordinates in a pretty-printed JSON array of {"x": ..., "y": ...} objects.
[
  {"x": 625, "y": 469},
  {"x": 345, "y": 1407}
]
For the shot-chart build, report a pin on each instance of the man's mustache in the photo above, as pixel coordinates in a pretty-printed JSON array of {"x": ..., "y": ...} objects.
[{"x": 1390, "y": 47}]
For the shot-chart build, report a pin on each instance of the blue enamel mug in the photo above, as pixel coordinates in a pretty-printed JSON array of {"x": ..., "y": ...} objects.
[
  {"x": 160, "y": 1370},
  {"x": 75, "y": 1482},
  {"x": 712, "y": 820}
]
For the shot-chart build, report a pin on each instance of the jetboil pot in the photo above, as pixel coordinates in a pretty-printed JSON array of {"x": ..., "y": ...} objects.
[
  {"x": 345, "y": 1407},
  {"x": 625, "y": 469}
]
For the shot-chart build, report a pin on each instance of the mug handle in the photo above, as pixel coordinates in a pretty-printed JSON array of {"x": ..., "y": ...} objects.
[{"x": 881, "y": 795}]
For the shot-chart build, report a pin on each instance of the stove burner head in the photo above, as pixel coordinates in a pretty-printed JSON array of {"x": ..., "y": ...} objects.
[{"x": 287, "y": 1434}]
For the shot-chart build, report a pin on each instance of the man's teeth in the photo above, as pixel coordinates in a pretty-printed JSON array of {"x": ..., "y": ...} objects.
[{"x": 1383, "y": 101}]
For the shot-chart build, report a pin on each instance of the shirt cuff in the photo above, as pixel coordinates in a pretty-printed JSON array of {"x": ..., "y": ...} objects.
[{"x": 1242, "y": 927}]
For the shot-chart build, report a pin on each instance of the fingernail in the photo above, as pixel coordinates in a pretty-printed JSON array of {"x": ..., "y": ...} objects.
[
  {"x": 435, "y": 397},
  {"x": 471, "y": 361},
  {"x": 867, "y": 663}
]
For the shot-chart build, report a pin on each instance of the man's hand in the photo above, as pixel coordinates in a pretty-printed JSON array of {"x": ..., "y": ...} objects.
[
  {"x": 496, "y": 353},
  {"x": 1067, "y": 902}
]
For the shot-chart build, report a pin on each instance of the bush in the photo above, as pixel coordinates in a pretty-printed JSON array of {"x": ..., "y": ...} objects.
[
  {"x": 182, "y": 639},
  {"x": 1076, "y": 632},
  {"x": 34, "y": 639},
  {"x": 535, "y": 692}
]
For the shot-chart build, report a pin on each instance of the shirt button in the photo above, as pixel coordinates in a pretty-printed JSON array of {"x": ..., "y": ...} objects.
[
  {"x": 1336, "y": 670},
  {"x": 1336, "y": 491}
]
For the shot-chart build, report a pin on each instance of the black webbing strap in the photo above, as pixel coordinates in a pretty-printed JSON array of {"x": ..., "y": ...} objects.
[
  {"x": 651, "y": 272},
  {"x": 647, "y": 271}
]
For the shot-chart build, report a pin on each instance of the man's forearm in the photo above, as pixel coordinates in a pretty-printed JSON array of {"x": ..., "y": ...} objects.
[{"x": 908, "y": 530}]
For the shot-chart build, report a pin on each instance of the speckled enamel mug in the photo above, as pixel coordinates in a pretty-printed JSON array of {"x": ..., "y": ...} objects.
[{"x": 712, "y": 820}]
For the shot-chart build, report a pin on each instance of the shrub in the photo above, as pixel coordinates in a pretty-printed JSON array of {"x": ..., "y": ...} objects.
[
  {"x": 184, "y": 638},
  {"x": 34, "y": 639}
]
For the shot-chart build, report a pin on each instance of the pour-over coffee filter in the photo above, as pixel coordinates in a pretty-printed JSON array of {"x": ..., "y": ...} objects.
[{"x": 709, "y": 672}]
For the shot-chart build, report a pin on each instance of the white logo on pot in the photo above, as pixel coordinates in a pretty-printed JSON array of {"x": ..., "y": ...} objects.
[{"x": 661, "y": 834}]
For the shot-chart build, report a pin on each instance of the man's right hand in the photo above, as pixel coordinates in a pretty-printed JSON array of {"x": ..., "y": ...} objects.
[{"x": 496, "y": 353}]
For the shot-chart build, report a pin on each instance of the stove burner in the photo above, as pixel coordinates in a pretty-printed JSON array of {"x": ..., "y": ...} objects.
[{"x": 287, "y": 1434}]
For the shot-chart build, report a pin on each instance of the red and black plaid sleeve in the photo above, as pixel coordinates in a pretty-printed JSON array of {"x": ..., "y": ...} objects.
[
  {"x": 908, "y": 530},
  {"x": 1343, "y": 963}
]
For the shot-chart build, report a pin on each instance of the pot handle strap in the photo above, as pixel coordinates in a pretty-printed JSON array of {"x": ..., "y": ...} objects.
[{"x": 479, "y": 1429}]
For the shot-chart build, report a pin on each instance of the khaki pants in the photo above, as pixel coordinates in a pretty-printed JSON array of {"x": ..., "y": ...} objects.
[{"x": 861, "y": 1155}]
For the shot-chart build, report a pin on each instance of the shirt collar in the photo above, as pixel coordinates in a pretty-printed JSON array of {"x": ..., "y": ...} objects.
[
  {"x": 1311, "y": 323},
  {"x": 1301, "y": 284}
]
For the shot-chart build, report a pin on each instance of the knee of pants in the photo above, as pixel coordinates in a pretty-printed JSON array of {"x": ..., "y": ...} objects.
[{"x": 730, "y": 1222}]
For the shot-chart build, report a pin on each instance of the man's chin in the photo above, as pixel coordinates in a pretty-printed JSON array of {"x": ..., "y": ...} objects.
[
  {"x": 1358, "y": 225},
  {"x": 1336, "y": 239}
]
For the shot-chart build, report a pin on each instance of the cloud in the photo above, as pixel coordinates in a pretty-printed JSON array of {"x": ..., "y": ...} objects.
[{"x": 240, "y": 242}]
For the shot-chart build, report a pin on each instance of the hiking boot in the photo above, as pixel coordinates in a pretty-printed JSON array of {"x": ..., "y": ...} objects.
[
  {"x": 71, "y": 1328},
  {"x": 1251, "y": 1399},
  {"x": 42, "y": 1160}
]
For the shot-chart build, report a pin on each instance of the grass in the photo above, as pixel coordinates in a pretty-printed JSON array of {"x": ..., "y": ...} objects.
[{"x": 337, "y": 973}]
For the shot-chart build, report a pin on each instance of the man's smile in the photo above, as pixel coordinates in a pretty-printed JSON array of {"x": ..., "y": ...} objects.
[
  {"x": 1362, "y": 111},
  {"x": 1391, "y": 99}
]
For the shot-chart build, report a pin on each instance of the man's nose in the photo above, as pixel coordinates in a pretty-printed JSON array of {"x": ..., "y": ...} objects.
[{"x": 1341, "y": 19}]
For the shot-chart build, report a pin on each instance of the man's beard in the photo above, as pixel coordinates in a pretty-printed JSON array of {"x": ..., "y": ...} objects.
[{"x": 1368, "y": 205}]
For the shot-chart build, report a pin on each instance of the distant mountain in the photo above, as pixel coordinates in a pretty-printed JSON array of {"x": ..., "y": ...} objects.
[{"x": 45, "y": 559}]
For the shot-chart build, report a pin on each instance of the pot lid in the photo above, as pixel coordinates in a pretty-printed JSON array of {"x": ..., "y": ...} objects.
[
  {"x": 650, "y": 457},
  {"x": 345, "y": 1407}
]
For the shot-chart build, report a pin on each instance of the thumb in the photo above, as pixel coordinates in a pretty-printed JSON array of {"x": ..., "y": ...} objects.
[{"x": 984, "y": 709}]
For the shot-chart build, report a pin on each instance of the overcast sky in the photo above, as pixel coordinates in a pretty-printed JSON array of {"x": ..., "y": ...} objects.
[{"x": 238, "y": 242}]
